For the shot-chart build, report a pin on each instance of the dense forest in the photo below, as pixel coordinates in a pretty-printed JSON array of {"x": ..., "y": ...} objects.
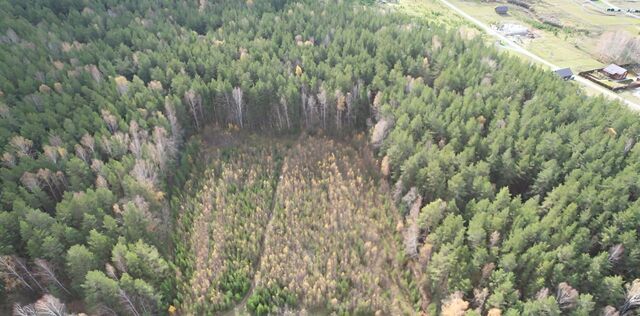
[{"x": 209, "y": 157}]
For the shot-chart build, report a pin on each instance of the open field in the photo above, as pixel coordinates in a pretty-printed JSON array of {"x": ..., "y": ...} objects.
[
  {"x": 561, "y": 48},
  {"x": 431, "y": 10},
  {"x": 573, "y": 46},
  {"x": 587, "y": 15}
]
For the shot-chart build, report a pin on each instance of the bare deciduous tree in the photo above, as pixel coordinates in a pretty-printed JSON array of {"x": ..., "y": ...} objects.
[
  {"x": 116, "y": 145},
  {"x": 96, "y": 166},
  {"x": 194, "y": 101},
  {"x": 45, "y": 271},
  {"x": 202, "y": 5},
  {"x": 81, "y": 153},
  {"x": 95, "y": 73},
  {"x": 9, "y": 269},
  {"x": 163, "y": 150},
  {"x": 55, "y": 140},
  {"x": 49, "y": 305},
  {"x": 109, "y": 119},
  {"x": 494, "y": 312},
  {"x": 111, "y": 271},
  {"x": 30, "y": 181},
  {"x": 311, "y": 110},
  {"x": 285, "y": 110},
  {"x": 322, "y": 99},
  {"x": 176, "y": 130},
  {"x": 237, "y": 97},
  {"x": 494, "y": 239},
  {"x": 89, "y": 142},
  {"x": 610, "y": 311},
  {"x": 58, "y": 87},
  {"x": 341, "y": 106},
  {"x": 51, "y": 153},
  {"x": 61, "y": 180},
  {"x": 385, "y": 166},
  {"x": 144, "y": 172},
  {"x": 615, "y": 253},
  {"x": 49, "y": 180},
  {"x": 377, "y": 105},
  {"x": 21, "y": 146},
  {"x": 15, "y": 268},
  {"x": 413, "y": 230},
  {"x": 479, "y": 297},
  {"x": 567, "y": 296},
  {"x": 155, "y": 85},
  {"x": 454, "y": 305},
  {"x": 5, "y": 112},
  {"x": 380, "y": 131},
  {"x": 36, "y": 99},
  {"x": 101, "y": 182},
  {"x": 8, "y": 160},
  {"x": 632, "y": 300},
  {"x": 122, "y": 84},
  {"x": 136, "y": 144},
  {"x": 24, "y": 310},
  {"x": 127, "y": 301},
  {"x": 542, "y": 293}
]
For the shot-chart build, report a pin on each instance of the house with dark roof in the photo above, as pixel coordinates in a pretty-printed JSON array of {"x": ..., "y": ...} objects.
[
  {"x": 564, "y": 73},
  {"x": 615, "y": 72},
  {"x": 503, "y": 9}
]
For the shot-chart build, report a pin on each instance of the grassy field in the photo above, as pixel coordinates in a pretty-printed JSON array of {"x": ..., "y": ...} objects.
[
  {"x": 625, "y": 4},
  {"x": 586, "y": 15},
  {"x": 573, "y": 46},
  {"x": 432, "y": 10},
  {"x": 435, "y": 11}
]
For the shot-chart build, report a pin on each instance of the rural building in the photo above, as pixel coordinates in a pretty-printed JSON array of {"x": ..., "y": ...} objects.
[
  {"x": 615, "y": 72},
  {"x": 564, "y": 73},
  {"x": 503, "y": 9},
  {"x": 509, "y": 29}
]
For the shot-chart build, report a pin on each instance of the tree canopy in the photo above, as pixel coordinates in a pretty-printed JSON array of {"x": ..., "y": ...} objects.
[{"x": 510, "y": 191}]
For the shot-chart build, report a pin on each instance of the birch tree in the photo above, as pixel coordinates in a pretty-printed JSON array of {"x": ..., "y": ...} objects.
[
  {"x": 322, "y": 99},
  {"x": 194, "y": 102},
  {"x": 237, "y": 98}
]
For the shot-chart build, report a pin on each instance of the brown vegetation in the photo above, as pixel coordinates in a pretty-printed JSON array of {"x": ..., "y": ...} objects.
[
  {"x": 619, "y": 47},
  {"x": 328, "y": 241}
]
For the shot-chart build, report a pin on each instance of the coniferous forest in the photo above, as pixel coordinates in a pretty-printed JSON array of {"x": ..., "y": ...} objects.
[{"x": 328, "y": 157}]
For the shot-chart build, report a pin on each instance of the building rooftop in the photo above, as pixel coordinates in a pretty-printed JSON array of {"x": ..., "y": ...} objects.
[
  {"x": 502, "y": 9},
  {"x": 614, "y": 70},
  {"x": 564, "y": 72}
]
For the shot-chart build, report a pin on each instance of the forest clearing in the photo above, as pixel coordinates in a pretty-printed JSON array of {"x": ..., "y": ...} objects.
[
  {"x": 311, "y": 222},
  {"x": 291, "y": 157}
]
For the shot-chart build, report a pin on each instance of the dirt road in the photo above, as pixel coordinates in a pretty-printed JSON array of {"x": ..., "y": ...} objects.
[
  {"x": 622, "y": 10},
  {"x": 508, "y": 43}
]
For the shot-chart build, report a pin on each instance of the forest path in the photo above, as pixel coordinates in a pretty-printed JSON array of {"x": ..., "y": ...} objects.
[
  {"x": 241, "y": 307},
  {"x": 401, "y": 303},
  {"x": 519, "y": 49}
]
